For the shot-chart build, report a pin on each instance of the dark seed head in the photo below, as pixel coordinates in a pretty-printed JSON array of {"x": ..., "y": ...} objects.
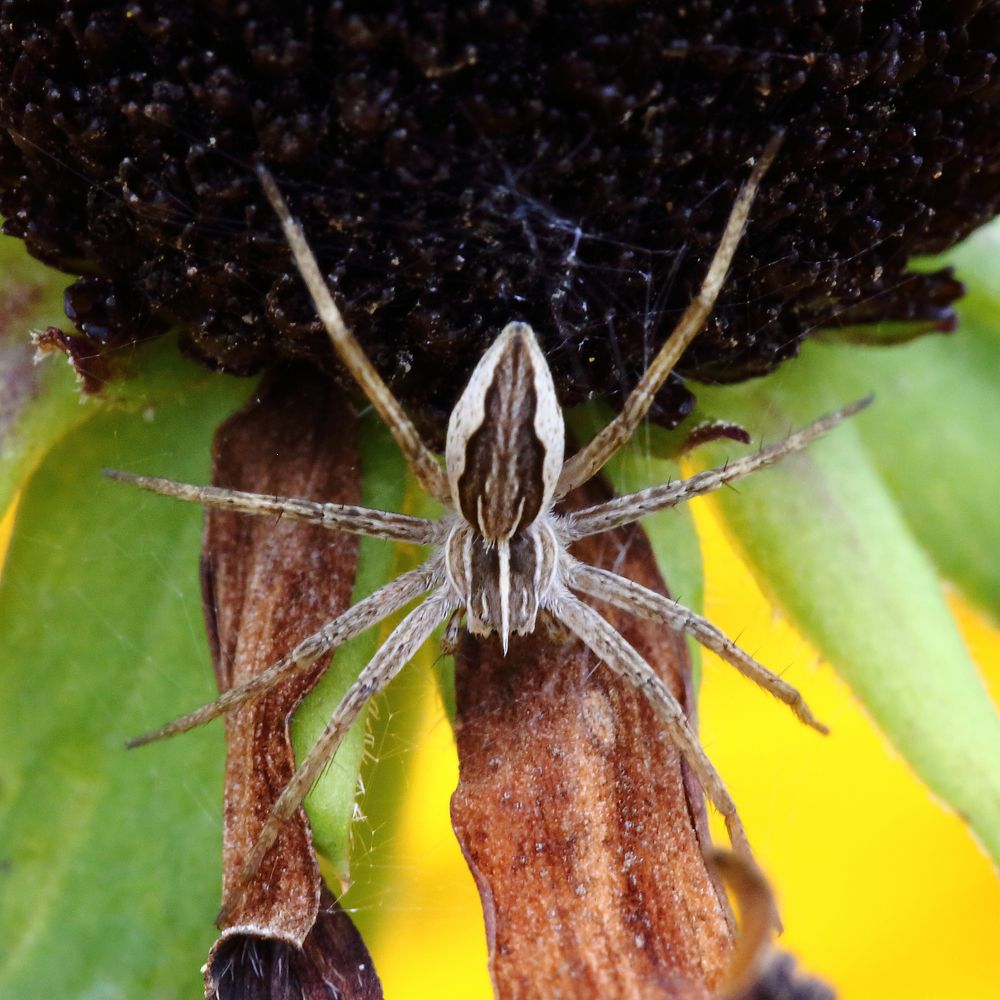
[{"x": 458, "y": 166}]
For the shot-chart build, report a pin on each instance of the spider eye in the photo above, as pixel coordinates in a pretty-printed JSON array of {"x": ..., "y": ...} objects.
[{"x": 505, "y": 438}]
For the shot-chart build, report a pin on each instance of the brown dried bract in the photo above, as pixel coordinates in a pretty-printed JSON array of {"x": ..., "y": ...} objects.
[
  {"x": 267, "y": 584},
  {"x": 756, "y": 970},
  {"x": 577, "y": 818},
  {"x": 92, "y": 367},
  {"x": 714, "y": 430}
]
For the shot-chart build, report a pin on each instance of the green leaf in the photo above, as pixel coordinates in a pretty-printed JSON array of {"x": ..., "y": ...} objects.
[
  {"x": 930, "y": 440},
  {"x": 41, "y": 402},
  {"x": 826, "y": 538},
  {"x": 111, "y": 860},
  {"x": 932, "y": 433}
]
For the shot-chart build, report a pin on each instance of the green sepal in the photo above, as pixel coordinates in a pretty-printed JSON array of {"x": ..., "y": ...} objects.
[
  {"x": 933, "y": 440},
  {"x": 827, "y": 540}
]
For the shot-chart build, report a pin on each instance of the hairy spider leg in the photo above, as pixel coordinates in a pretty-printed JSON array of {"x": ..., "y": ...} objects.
[
  {"x": 612, "y": 649},
  {"x": 397, "y": 650},
  {"x": 419, "y": 457},
  {"x": 592, "y": 457},
  {"x": 635, "y": 506},
  {"x": 645, "y": 603},
  {"x": 355, "y": 620},
  {"x": 335, "y": 516}
]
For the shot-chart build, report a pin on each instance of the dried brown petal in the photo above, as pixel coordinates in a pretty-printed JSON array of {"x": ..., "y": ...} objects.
[
  {"x": 758, "y": 920},
  {"x": 715, "y": 430},
  {"x": 756, "y": 971},
  {"x": 580, "y": 824},
  {"x": 267, "y": 584},
  {"x": 92, "y": 367}
]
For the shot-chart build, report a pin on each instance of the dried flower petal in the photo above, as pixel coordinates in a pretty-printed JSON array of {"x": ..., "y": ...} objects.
[
  {"x": 267, "y": 584},
  {"x": 582, "y": 829}
]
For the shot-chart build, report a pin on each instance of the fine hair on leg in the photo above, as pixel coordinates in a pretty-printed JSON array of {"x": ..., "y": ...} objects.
[
  {"x": 627, "y": 509},
  {"x": 334, "y": 516},
  {"x": 611, "y": 648},
  {"x": 645, "y": 603},
  {"x": 397, "y": 650},
  {"x": 355, "y": 620}
]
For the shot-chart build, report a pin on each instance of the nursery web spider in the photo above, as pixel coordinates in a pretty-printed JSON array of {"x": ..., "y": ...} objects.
[{"x": 500, "y": 554}]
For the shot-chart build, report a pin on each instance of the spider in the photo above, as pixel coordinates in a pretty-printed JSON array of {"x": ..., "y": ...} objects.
[{"x": 500, "y": 555}]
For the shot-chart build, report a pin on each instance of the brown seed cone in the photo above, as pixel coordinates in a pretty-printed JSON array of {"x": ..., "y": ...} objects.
[{"x": 461, "y": 165}]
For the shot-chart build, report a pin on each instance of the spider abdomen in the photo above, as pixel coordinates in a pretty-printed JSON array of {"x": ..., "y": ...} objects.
[{"x": 501, "y": 584}]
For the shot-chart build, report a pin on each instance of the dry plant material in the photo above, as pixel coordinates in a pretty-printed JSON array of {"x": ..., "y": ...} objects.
[
  {"x": 579, "y": 820},
  {"x": 758, "y": 920},
  {"x": 756, "y": 971},
  {"x": 92, "y": 368},
  {"x": 264, "y": 582}
]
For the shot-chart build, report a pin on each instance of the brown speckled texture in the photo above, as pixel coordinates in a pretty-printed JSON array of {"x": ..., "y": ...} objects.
[{"x": 459, "y": 165}]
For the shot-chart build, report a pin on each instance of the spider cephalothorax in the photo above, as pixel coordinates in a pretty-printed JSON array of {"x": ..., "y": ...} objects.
[{"x": 501, "y": 554}]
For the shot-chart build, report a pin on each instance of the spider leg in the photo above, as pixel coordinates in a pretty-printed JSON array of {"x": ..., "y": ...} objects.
[
  {"x": 591, "y": 458},
  {"x": 624, "y": 510},
  {"x": 392, "y": 656},
  {"x": 646, "y": 603},
  {"x": 336, "y": 516},
  {"x": 352, "y": 622},
  {"x": 418, "y": 456},
  {"x": 612, "y": 649}
]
